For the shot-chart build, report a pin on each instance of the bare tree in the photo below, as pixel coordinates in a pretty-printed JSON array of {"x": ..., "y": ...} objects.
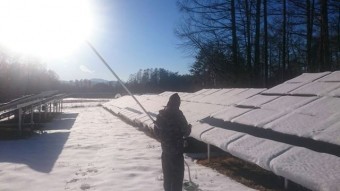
[{"x": 324, "y": 38}]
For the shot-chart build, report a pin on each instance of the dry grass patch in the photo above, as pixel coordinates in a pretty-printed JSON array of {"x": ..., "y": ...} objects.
[{"x": 246, "y": 173}]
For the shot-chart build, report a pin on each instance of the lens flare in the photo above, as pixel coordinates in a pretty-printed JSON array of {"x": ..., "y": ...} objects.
[{"x": 44, "y": 28}]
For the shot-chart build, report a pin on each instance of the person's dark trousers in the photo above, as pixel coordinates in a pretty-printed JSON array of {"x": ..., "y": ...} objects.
[{"x": 173, "y": 171}]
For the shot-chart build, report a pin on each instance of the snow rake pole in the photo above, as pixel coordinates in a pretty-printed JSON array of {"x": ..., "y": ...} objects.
[
  {"x": 189, "y": 186},
  {"x": 119, "y": 80}
]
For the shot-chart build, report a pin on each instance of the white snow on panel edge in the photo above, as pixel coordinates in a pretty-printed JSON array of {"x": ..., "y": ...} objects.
[
  {"x": 288, "y": 103},
  {"x": 283, "y": 89},
  {"x": 73, "y": 100},
  {"x": 335, "y": 93},
  {"x": 330, "y": 134},
  {"x": 316, "y": 88},
  {"x": 202, "y": 108},
  {"x": 220, "y": 137},
  {"x": 313, "y": 170},
  {"x": 333, "y": 77},
  {"x": 122, "y": 102},
  {"x": 322, "y": 108},
  {"x": 229, "y": 113},
  {"x": 307, "y": 77},
  {"x": 223, "y": 99},
  {"x": 214, "y": 96},
  {"x": 257, "y": 150},
  {"x": 257, "y": 100},
  {"x": 246, "y": 94},
  {"x": 258, "y": 117},
  {"x": 298, "y": 124},
  {"x": 198, "y": 129}
]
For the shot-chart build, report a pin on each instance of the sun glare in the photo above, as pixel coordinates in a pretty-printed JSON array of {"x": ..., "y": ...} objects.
[{"x": 45, "y": 28}]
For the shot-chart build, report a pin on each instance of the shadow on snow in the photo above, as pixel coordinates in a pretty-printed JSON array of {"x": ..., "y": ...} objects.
[{"x": 40, "y": 151}]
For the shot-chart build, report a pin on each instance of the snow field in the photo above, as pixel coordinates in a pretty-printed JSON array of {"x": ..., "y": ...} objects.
[{"x": 90, "y": 149}]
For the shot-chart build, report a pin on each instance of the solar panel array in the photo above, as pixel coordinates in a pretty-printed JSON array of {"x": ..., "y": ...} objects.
[{"x": 292, "y": 129}]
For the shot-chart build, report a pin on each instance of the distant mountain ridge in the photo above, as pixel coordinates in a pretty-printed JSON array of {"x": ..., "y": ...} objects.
[{"x": 93, "y": 81}]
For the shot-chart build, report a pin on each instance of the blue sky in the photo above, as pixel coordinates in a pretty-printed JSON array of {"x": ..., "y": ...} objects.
[{"x": 130, "y": 35}]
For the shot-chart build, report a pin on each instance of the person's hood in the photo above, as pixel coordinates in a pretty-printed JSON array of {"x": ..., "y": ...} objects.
[{"x": 174, "y": 101}]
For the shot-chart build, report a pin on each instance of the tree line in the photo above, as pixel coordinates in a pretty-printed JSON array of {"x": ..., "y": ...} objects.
[
  {"x": 259, "y": 43},
  {"x": 22, "y": 75},
  {"x": 156, "y": 80}
]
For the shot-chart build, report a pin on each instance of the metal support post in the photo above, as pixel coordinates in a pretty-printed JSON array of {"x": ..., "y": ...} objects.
[
  {"x": 46, "y": 108},
  {"x": 286, "y": 183},
  {"x": 50, "y": 111},
  {"x": 32, "y": 115},
  {"x": 19, "y": 120},
  {"x": 40, "y": 112},
  {"x": 208, "y": 152}
]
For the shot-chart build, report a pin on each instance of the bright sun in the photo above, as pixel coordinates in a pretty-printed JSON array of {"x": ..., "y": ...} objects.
[{"x": 45, "y": 28}]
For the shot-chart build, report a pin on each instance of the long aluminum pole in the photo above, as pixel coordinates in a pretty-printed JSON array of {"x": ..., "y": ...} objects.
[
  {"x": 120, "y": 81},
  {"x": 141, "y": 106}
]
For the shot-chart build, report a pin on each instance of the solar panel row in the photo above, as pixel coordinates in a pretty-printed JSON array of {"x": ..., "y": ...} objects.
[{"x": 288, "y": 129}]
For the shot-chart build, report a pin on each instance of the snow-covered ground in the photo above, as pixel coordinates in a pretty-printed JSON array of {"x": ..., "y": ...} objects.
[{"x": 88, "y": 148}]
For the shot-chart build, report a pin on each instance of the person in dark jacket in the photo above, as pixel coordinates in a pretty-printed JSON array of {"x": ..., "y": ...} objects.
[{"x": 171, "y": 127}]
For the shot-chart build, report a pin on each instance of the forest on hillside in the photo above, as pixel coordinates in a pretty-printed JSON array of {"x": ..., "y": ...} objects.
[{"x": 21, "y": 75}]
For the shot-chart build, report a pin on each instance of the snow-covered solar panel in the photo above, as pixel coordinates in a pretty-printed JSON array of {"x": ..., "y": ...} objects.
[
  {"x": 141, "y": 119},
  {"x": 220, "y": 137},
  {"x": 316, "y": 88},
  {"x": 330, "y": 134},
  {"x": 333, "y": 77},
  {"x": 210, "y": 91},
  {"x": 229, "y": 113},
  {"x": 203, "y": 108},
  {"x": 201, "y": 91},
  {"x": 199, "y": 98},
  {"x": 305, "y": 109},
  {"x": 167, "y": 93},
  {"x": 299, "y": 125},
  {"x": 188, "y": 96},
  {"x": 228, "y": 98},
  {"x": 196, "y": 98},
  {"x": 335, "y": 93},
  {"x": 149, "y": 124},
  {"x": 122, "y": 102},
  {"x": 257, "y": 150},
  {"x": 313, "y": 170},
  {"x": 283, "y": 89},
  {"x": 198, "y": 129},
  {"x": 258, "y": 117},
  {"x": 235, "y": 91},
  {"x": 222, "y": 91},
  {"x": 321, "y": 108},
  {"x": 197, "y": 111},
  {"x": 257, "y": 100},
  {"x": 239, "y": 97},
  {"x": 112, "y": 108},
  {"x": 193, "y": 117},
  {"x": 250, "y": 92},
  {"x": 128, "y": 114},
  {"x": 215, "y": 96},
  {"x": 307, "y": 77},
  {"x": 285, "y": 103}
]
